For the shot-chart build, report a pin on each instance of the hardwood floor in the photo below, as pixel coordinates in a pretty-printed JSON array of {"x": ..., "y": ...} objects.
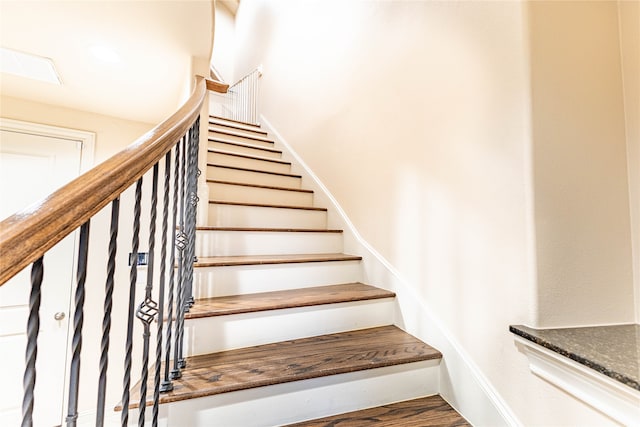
[{"x": 430, "y": 411}]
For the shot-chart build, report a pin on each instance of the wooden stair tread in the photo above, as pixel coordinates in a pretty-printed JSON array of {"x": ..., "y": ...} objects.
[
  {"x": 242, "y": 144},
  {"x": 224, "y": 261},
  {"x": 269, "y": 187},
  {"x": 270, "y": 230},
  {"x": 293, "y": 360},
  {"x": 248, "y": 156},
  {"x": 263, "y": 205},
  {"x": 275, "y": 300},
  {"x": 240, "y": 135},
  {"x": 215, "y": 165},
  {"x": 217, "y": 122},
  {"x": 423, "y": 412},
  {"x": 213, "y": 116}
]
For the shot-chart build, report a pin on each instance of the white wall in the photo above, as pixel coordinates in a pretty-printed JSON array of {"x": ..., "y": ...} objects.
[
  {"x": 224, "y": 48},
  {"x": 580, "y": 167},
  {"x": 629, "y": 15},
  {"x": 416, "y": 116}
]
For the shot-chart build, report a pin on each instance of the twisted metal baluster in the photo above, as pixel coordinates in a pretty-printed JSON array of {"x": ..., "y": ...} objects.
[
  {"x": 191, "y": 209},
  {"x": 78, "y": 320},
  {"x": 33, "y": 327},
  {"x": 166, "y": 383},
  {"x": 133, "y": 278},
  {"x": 186, "y": 207},
  {"x": 108, "y": 304},
  {"x": 181, "y": 244},
  {"x": 163, "y": 268},
  {"x": 148, "y": 309}
]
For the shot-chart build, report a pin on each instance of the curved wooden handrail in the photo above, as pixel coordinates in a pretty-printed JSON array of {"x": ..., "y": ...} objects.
[{"x": 28, "y": 234}]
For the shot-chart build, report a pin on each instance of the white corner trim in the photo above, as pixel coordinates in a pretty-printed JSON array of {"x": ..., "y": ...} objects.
[
  {"x": 87, "y": 139},
  {"x": 608, "y": 396},
  {"x": 501, "y": 406}
]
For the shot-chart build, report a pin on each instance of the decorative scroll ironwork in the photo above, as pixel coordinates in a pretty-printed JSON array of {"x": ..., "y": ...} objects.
[
  {"x": 181, "y": 240},
  {"x": 146, "y": 312}
]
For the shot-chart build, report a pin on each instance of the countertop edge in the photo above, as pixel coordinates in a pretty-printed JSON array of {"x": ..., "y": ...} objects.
[{"x": 623, "y": 379}]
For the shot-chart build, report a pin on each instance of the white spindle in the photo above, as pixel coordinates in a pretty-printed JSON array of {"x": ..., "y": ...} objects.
[{"x": 241, "y": 101}]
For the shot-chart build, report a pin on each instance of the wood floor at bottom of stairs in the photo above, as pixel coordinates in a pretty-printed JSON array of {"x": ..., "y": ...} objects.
[
  {"x": 293, "y": 360},
  {"x": 429, "y": 411}
]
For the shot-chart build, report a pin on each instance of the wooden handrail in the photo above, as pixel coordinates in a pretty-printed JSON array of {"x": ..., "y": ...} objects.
[
  {"x": 217, "y": 86},
  {"x": 28, "y": 234}
]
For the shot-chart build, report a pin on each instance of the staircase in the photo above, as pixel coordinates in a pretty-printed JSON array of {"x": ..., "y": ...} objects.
[{"x": 282, "y": 330}]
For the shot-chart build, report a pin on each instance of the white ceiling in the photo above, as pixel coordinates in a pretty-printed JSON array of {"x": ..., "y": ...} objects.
[{"x": 155, "y": 40}]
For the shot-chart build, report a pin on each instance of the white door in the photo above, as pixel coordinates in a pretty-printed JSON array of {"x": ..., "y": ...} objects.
[{"x": 31, "y": 167}]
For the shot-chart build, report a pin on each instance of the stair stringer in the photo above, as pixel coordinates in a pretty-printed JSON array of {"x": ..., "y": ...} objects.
[{"x": 461, "y": 382}]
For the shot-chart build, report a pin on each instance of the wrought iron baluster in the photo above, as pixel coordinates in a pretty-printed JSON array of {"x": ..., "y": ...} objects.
[
  {"x": 191, "y": 209},
  {"x": 133, "y": 278},
  {"x": 148, "y": 309},
  {"x": 33, "y": 328},
  {"x": 163, "y": 268},
  {"x": 78, "y": 320},
  {"x": 166, "y": 383},
  {"x": 108, "y": 304},
  {"x": 181, "y": 244}
]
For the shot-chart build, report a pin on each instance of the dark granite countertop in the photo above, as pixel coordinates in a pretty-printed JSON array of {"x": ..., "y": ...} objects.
[{"x": 611, "y": 350}]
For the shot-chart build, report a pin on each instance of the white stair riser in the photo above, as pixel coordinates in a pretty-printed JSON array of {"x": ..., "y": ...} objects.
[
  {"x": 238, "y": 129},
  {"x": 264, "y": 143},
  {"x": 247, "y": 177},
  {"x": 241, "y": 193},
  {"x": 242, "y": 149},
  {"x": 248, "y": 279},
  {"x": 231, "y": 243},
  {"x": 248, "y": 163},
  {"x": 221, "y": 215},
  {"x": 308, "y": 399},
  {"x": 212, "y": 334}
]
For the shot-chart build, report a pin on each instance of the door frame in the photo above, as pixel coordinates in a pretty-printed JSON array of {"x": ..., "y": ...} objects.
[{"x": 87, "y": 139}]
